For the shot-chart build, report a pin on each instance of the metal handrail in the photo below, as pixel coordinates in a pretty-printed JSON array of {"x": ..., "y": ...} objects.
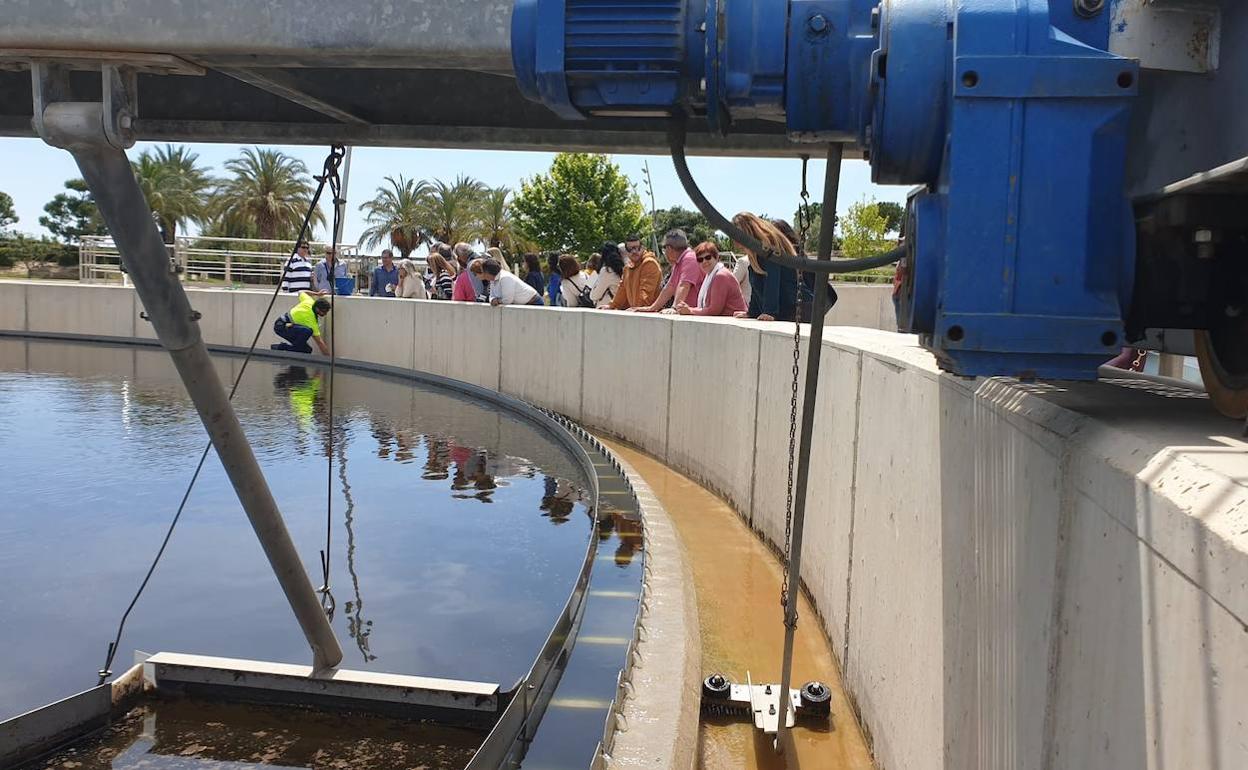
[{"x": 259, "y": 259}]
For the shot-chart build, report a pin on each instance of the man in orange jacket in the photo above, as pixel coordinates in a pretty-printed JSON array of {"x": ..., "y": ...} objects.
[{"x": 642, "y": 275}]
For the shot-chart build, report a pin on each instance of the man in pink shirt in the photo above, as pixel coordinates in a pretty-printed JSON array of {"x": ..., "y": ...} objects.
[{"x": 686, "y": 278}]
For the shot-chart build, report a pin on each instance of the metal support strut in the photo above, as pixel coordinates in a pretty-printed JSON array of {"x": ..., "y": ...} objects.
[
  {"x": 819, "y": 306},
  {"x": 97, "y": 138}
]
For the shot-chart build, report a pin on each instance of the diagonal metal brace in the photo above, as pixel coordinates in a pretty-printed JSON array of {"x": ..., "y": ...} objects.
[{"x": 96, "y": 134}]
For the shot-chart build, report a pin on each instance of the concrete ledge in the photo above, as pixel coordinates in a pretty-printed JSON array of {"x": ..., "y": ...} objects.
[
  {"x": 660, "y": 718},
  {"x": 1013, "y": 575}
]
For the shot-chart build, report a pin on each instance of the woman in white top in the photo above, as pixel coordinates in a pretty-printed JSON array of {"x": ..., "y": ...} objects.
[
  {"x": 411, "y": 286},
  {"x": 741, "y": 271},
  {"x": 610, "y": 274},
  {"x": 574, "y": 283}
]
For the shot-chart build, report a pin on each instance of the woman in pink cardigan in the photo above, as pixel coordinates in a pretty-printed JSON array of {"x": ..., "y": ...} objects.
[
  {"x": 464, "y": 290},
  {"x": 720, "y": 293}
]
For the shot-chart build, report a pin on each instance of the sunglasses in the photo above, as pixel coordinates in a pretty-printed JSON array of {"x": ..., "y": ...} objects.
[
  {"x": 707, "y": 258},
  {"x": 633, "y": 248}
]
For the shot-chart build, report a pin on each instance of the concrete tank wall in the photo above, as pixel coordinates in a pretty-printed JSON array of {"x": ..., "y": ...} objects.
[{"x": 1013, "y": 575}]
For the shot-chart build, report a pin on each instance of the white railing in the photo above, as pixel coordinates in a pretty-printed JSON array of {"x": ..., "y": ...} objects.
[{"x": 226, "y": 261}]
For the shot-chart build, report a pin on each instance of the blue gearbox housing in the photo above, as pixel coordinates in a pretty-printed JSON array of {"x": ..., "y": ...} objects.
[{"x": 1009, "y": 116}]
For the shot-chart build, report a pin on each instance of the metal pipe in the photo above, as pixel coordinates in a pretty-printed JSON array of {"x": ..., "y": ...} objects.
[
  {"x": 341, "y": 203},
  {"x": 108, "y": 174},
  {"x": 818, "y": 306}
]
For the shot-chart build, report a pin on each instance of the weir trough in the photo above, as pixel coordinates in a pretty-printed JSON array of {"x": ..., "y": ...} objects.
[{"x": 444, "y": 701}]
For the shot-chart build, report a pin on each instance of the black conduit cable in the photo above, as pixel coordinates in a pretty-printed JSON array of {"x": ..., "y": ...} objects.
[
  {"x": 676, "y": 140},
  {"x": 329, "y": 170}
]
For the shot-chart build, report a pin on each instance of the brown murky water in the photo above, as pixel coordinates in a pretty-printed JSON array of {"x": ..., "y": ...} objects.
[
  {"x": 188, "y": 734},
  {"x": 738, "y": 586}
]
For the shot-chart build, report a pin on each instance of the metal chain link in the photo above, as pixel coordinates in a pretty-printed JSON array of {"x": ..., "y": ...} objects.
[
  {"x": 803, "y": 224},
  {"x": 334, "y": 181}
]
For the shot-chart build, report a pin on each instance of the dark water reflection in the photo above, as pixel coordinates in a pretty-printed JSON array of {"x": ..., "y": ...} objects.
[{"x": 443, "y": 558}]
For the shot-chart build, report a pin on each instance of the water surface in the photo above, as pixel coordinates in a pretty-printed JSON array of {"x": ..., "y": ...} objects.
[{"x": 456, "y": 530}]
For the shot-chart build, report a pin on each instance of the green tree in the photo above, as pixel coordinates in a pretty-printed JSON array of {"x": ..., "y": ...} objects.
[
  {"x": 893, "y": 214},
  {"x": 31, "y": 253},
  {"x": 266, "y": 196},
  {"x": 8, "y": 216},
  {"x": 495, "y": 219},
  {"x": 71, "y": 215},
  {"x": 584, "y": 201},
  {"x": 693, "y": 223},
  {"x": 862, "y": 230},
  {"x": 176, "y": 187},
  {"x": 452, "y": 211},
  {"x": 395, "y": 215}
]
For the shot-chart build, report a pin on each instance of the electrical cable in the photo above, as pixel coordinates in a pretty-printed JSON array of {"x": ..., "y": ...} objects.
[
  {"x": 676, "y": 140},
  {"x": 329, "y": 170}
]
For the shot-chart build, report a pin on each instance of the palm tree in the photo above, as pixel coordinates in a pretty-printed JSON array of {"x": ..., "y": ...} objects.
[
  {"x": 451, "y": 210},
  {"x": 176, "y": 187},
  {"x": 396, "y": 215},
  {"x": 495, "y": 218},
  {"x": 268, "y": 195}
]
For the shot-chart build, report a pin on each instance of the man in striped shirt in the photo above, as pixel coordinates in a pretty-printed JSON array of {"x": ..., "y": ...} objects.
[{"x": 298, "y": 271}]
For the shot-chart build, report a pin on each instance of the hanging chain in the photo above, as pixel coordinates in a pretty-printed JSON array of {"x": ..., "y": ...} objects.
[
  {"x": 803, "y": 224},
  {"x": 328, "y": 603}
]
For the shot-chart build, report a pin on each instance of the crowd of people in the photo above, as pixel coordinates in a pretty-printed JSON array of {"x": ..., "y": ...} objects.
[{"x": 621, "y": 276}]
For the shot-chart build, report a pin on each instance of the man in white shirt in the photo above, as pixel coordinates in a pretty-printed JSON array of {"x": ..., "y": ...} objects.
[
  {"x": 298, "y": 271},
  {"x": 506, "y": 288}
]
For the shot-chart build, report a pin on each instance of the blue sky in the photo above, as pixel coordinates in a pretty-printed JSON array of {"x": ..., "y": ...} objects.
[{"x": 34, "y": 172}]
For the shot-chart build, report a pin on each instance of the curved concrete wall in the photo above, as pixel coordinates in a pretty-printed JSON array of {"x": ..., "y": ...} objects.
[{"x": 1014, "y": 576}]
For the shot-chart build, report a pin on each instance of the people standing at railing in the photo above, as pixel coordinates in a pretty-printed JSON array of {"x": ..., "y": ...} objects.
[
  {"x": 328, "y": 270},
  {"x": 574, "y": 288},
  {"x": 443, "y": 282},
  {"x": 642, "y": 274},
  {"x": 464, "y": 255},
  {"x": 533, "y": 273},
  {"x": 809, "y": 279},
  {"x": 385, "y": 276},
  {"x": 773, "y": 287},
  {"x": 506, "y": 288},
  {"x": 720, "y": 294},
  {"x": 610, "y": 273},
  {"x": 410, "y": 285},
  {"x": 298, "y": 270},
  {"x": 496, "y": 254},
  {"x": 685, "y": 279},
  {"x": 593, "y": 266},
  {"x": 300, "y": 325},
  {"x": 553, "y": 293},
  {"x": 741, "y": 271},
  {"x": 470, "y": 283}
]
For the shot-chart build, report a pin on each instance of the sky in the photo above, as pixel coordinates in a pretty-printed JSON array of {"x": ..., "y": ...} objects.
[{"x": 34, "y": 172}]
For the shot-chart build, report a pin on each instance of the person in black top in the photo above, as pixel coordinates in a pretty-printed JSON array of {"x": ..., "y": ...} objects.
[
  {"x": 533, "y": 274},
  {"x": 773, "y": 287}
]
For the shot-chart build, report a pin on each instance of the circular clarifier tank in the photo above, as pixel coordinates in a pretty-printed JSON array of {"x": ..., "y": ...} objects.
[{"x": 457, "y": 527}]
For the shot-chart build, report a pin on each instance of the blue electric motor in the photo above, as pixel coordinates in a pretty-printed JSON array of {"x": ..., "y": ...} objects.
[{"x": 1010, "y": 116}]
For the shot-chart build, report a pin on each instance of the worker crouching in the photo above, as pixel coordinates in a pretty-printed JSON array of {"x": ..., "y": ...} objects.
[{"x": 300, "y": 325}]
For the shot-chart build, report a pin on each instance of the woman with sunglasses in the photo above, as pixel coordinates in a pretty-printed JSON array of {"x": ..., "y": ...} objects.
[{"x": 719, "y": 294}]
